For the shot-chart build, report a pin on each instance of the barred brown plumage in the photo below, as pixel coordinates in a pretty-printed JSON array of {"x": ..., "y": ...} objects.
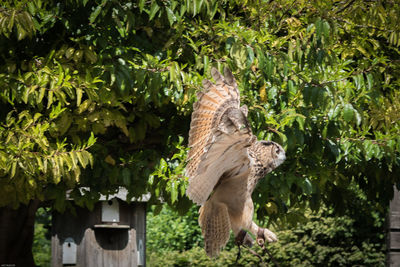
[{"x": 225, "y": 162}]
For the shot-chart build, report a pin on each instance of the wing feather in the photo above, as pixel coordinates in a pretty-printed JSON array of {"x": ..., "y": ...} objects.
[
  {"x": 217, "y": 144},
  {"x": 227, "y": 153},
  {"x": 207, "y": 113}
]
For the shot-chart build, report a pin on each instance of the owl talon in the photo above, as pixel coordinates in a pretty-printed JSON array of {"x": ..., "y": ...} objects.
[
  {"x": 270, "y": 236},
  {"x": 265, "y": 235}
]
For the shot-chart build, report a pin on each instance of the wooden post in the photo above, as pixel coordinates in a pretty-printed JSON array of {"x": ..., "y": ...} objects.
[{"x": 393, "y": 236}]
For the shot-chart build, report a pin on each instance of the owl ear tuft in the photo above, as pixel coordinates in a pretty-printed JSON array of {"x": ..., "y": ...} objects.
[
  {"x": 219, "y": 79},
  {"x": 229, "y": 78}
]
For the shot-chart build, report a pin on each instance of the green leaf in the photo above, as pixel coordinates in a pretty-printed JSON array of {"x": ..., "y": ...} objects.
[
  {"x": 84, "y": 106},
  {"x": 300, "y": 120},
  {"x": 334, "y": 148},
  {"x": 370, "y": 81},
  {"x": 325, "y": 29},
  {"x": 74, "y": 159},
  {"x": 126, "y": 177},
  {"x": 250, "y": 56},
  {"x": 40, "y": 96},
  {"x": 77, "y": 56},
  {"x": 153, "y": 9},
  {"x": 79, "y": 92},
  {"x": 174, "y": 191},
  {"x": 291, "y": 88},
  {"x": 357, "y": 117},
  {"x": 348, "y": 112},
  {"x": 68, "y": 161},
  {"x": 239, "y": 54},
  {"x": 21, "y": 33},
  {"x": 163, "y": 165},
  {"x": 31, "y": 7},
  {"x": 359, "y": 81},
  {"x": 49, "y": 99},
  {"x": 95, "y": 13},
  {"x": 91, "y": 140},
  {"x": 69, "y": 52},
  {"x": 171, "y": 16},
  {"x": 206, "y": 62},
  {"x": 318, "y": 28},
  {"x": 26, "y": 95},
  {"x": 88, "y": 157},
  {"x": 307, "y": 186},
  {"x": 90, "y": 56},
  {"x": 141, "y": 5},
  {"x": 11, "y": 21},
  {"x": 82, "y": 159},
  {"x": 13, "y": 169},
  {"x": 369, "y": 152}
]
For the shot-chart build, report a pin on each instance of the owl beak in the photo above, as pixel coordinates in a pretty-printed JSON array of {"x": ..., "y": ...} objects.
[{"x": 281, "y": 156}]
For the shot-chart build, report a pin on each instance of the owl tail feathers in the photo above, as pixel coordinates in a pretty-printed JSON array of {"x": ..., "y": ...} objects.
[{"x": 215, "y": 226}]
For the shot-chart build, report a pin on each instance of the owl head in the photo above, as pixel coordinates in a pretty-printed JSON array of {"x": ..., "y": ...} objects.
[{"x": 267, "y": 155}]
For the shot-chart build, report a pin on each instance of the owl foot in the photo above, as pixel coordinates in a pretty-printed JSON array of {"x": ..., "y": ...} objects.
[
  {"x": 265, "y": 234},
  {"x": 243, "y": 238}
]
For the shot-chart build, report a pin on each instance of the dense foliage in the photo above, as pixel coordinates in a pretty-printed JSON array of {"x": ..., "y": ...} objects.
[{"x": 110, "y": 85}]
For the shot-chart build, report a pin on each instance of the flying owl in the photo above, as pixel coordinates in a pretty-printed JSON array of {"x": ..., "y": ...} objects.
[{"x": 225, "y": 162}]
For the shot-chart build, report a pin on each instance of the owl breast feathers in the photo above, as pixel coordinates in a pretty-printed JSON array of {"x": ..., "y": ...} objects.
[{"x": 225, "y": 162}]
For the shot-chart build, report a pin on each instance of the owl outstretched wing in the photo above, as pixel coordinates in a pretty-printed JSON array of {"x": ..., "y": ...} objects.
[{"x": 219, "y": 136}]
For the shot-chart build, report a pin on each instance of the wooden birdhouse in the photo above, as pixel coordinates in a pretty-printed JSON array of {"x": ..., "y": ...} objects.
[{"x": 113, "y": 234}]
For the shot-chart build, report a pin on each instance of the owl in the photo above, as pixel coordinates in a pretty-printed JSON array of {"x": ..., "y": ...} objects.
[{"x": 224, "y": 164}]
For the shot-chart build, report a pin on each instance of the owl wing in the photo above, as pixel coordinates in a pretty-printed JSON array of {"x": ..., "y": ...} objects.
[{"x": 219, "y": 136}]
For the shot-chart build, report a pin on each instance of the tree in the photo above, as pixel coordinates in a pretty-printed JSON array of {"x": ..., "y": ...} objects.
[{"x": 99, "y": 94}]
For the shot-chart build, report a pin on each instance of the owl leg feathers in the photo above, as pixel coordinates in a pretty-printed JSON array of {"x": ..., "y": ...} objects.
[{"x": 215, "y": 226}]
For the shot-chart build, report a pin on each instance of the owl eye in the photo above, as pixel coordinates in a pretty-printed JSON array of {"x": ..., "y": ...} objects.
[{"x": 266, "y": 143}]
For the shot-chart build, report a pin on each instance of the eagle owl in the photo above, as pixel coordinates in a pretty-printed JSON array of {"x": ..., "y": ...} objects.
[{"x": 225, "y": 162}]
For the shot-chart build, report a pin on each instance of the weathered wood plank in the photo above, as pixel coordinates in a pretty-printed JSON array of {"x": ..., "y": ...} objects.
[
  {"x": 140, "y": 226},
  {"x": 394, "y": 259},
  {"x": 394, "y": 221},
  {"x": 395, "y": 203},
  {"x": 394, "y": 240}
]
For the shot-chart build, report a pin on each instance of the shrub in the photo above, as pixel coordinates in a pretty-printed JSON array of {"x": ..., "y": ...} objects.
[
  {"x": 169, "y": 231},
  {"x": 324, "y": 240}
]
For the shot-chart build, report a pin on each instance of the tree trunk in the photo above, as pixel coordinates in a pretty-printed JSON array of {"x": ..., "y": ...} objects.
[{"x": 16, "y": 235}]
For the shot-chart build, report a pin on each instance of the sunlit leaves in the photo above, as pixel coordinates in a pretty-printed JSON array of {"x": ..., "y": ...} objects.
[
  {"x": 320, "y": 82},
  {"x": 170, "y": 173},
  {"x": 30, "y": 154},
  {"x": 18, "y": 22}
]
